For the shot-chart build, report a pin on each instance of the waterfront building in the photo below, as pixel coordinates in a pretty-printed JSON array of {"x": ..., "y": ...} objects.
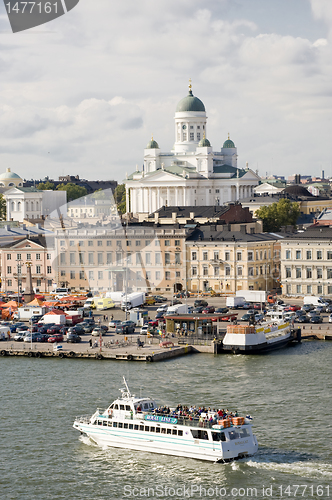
[
  {"x": 192, "y": 173},
  {"x": 30, "y": 203}
]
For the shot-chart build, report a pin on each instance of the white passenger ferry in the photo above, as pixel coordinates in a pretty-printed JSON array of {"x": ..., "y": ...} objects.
[
  {"x": 133, "y": 423},
  {"x": 276, "y": 331}
]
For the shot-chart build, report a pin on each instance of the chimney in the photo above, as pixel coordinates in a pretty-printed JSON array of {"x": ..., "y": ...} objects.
[{"x": 192, "y": 215}]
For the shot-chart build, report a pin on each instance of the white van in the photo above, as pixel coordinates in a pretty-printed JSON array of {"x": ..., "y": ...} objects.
[
  {"x": 314, "y": 300},
  {"x": 4, "y": 333}
]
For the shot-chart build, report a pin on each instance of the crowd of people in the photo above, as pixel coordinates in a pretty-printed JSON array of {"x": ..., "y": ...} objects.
[{"x": 201, "y": 413}]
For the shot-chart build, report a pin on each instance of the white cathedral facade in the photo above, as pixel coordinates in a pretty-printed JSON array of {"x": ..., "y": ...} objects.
[{"x": 192, "y": 174}]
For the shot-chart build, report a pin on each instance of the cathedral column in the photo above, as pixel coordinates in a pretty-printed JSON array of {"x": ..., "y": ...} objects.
[
  {"x": 158, "y": 201},
  {"x": 127, "y": 200},
  {"x": 168, "y": 196},
  {"x": 237, "y": 192},
  {"x": 150, "y": 200},
  {"x": 184, "y": 196},
  {"x": 176, "y": 197}
]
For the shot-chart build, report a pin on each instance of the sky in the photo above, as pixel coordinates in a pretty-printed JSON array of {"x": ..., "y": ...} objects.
[{"x": 83, "y": 94}]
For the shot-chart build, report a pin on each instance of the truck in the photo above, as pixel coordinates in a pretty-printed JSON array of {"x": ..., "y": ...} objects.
[
  {"x": 314, "y": 300},
  {"x": 252, "y": 295},
  {"x": 178, "y": 309},
  {"x": 90, "y": 303},
  {"x": 117, "y": 297},
  {"x": 135, "y": 299},
  {"x": 234, "y": 302},
  {"x": 26, "y": 313},
  {"x": 103, "y": 303}
]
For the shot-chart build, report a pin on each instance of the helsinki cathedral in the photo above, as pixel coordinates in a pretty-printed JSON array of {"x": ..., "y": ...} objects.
[{"x": 191, "y": 174}]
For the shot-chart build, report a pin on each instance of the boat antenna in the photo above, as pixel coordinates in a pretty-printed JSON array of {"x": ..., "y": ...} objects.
[{"x": 126, "y": 394}]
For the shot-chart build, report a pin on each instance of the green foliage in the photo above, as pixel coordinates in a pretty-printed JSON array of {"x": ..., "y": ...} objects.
[
  {"x": 3, "y": 211},
  {"x": 283, "y": 213},
  {"x": 73, "y": 191},
  {"x": 99, "y": 194},
  {"x": 120, "y": 198},
  {"x": 46, "y": 185}
]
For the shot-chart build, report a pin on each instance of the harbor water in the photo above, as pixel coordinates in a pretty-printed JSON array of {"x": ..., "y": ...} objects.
[{"x": 288, "y": 394}]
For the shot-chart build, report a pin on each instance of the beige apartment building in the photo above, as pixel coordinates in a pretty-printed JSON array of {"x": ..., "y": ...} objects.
[
  {"x": 306, "y": 262},
  {"x": 227, "y": 261}
]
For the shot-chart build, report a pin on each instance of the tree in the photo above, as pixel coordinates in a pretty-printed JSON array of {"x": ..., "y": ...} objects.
[
  {"x": 283, "y": 213},
  {"x": 46, "y": 185},
  {"x": 73, "y": 191},
  {"x": 3, "y": 211},
  {"x": 99, "y": 194},
  {"x": 120, "y": 198}
]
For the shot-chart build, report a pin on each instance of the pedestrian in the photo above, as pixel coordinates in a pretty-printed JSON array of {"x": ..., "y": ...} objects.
[
  {"x": 112, "y": 317},
  {"x": 90, "y": 342}
]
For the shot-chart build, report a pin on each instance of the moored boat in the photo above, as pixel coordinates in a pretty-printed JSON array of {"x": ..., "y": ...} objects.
[{"x": 134, "y": 423}]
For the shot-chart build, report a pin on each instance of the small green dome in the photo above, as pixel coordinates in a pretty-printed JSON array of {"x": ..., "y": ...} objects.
[
  {"x": 9, "y": 175},
  {"x": 204, "y": 143},
  {"x": 152, "y": 144},
  {"x": 190, "y": 103},
  {"x": 229, "y": 143}
]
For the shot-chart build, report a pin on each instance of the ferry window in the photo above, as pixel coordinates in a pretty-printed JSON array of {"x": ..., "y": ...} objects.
[
  {"x": 151, "y": 405},
  {"x": 158, "y": 430},
  {"x": 109, "y": 424},
  {"x": 116, "y": 407},
  {"x": 122, "y": 407},
  {"x": 120, "y": 425},
  {"x": 127, "y": 408},
  {"x": 244, "y": 433},
  {"x": 115, "y": 424},
  {"x": 100, "y": 422},
  {"x": 199, "y": 434},
  {"x": 174, "y": 432},
  {"x": 95, "y": 422},
  {"x": 147, "y": 428},
  {"x": 146, "y": 406},
  {"x": 216, "y": 436},
  {"x": 180, "y": 433},
  {"x": 152, "y": 429},
  {"x": 141, "y": 427},
  {"x": 233, "y": 435},
  {"x": 125, "y": 426},
  {"x": 169, "y": 431},
  {"x": 135, "y": 427},
  {"x": 105, "y": 423},
  {"x": 163, "y": 430},
  {"x": 131, "y": 426}
]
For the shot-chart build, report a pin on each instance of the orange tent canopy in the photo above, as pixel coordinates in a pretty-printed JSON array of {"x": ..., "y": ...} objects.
[
  {"x": 51, "y": 303},
  {"x": 11, "y": 303},
  {"x": 35, "y": 302}
]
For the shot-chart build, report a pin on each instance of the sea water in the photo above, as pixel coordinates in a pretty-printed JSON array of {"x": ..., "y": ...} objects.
[{"x": 288, "y": 394}]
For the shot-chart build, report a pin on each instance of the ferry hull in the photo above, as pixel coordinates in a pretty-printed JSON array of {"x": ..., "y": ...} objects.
[
  {"x": 189, "y": 449},
  {"x": 256, "y": 349}
]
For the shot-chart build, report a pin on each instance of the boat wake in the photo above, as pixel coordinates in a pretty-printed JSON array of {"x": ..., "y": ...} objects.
[{"x": 86, "y": 440}]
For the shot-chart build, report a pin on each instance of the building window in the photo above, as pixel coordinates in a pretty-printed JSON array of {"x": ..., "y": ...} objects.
[
  {"x": 72, "y": 258},
  {"x": 167, "y": 243},
  {"x": 9, "y": 282},
  {"x": 329, "y": 255},
  {"x": 90, "y": 243},
  {"x": 308, "y": 254},
  {"x": 157, "y": 258},
  {"x": 288, "y": 289},
  {"x": 319, "y": 289},
  {"x": 48, "y": 256},
  {"x": 298, "y": 288},
  {"x": 49, "y": 269},
  {"x": 329, "y": 273},
  {"x": 205, "y": 271},
  {"x": 227, "y": 255},
  {"x": 177, "y": 258},
  {"x": 319, "y": 273},
  {"x": 194, "y": 271},
  {"x": 38, "y": 269},
  {"x": 288, "y": 272},
  {"x": 81, "y": 258},
  {"x": 49, "y": 282},
  {"x": 298, "y": 272},
  {"x": 82, "y": 275},
  {"x": 167, "y": 275},
  {"x": 100, "y": 258},
  {"x": 250, "y": 271},
  {"x": 62, "y": 258},
  {"x": 239, "y": 271},
  {"x": 9, "y": 256},
  {"x": 72, "y": 275},
  {"x": 329, "y": 289},
  {"x": 38, "y": 256},
  {"x": 216, "y": 271},
  {"x": 71, "y": 243},
  {"x": 90, "y": 258},
  {"x": 109, "y": 243},
  {"x": 38, "y": 283},
  {"x": 90, "y": 275},
  {"x": 177, "y": 243},
  {"x": 109, "y": 258},
  {"x": 167, "y": 258},
  {"x": 298, "y": 254},
  {"x": 309, "y": 289},
  {"x": 100, "y": 275},
  {"x": 157, "y": 243},
  {"x": 138, "y": 243},
  {"x": 192, "y": 136},
  {"x": 29, "y": 256},
  {"x": 227, "y": 271},
  {"x": 319, "y": 255},
  {"x": 148, "y": 258},
  {"x": 193, "y": 255},
  {"x": 309, "y": 273},
  {"x": 81, "y": 243},
  {"x": 158, "y": 275},
  {"x": 148, "y": 275},
  {"x": 9, "y": 269},
  {"x": 62, "y": 243},
  {"x": 63, "y": 273},
  {"x": 250, "y": 255},
  {"x": 138, "y": 259},
  {"x": 128, "y": 243},
  {"x": 205, "y": 256}
]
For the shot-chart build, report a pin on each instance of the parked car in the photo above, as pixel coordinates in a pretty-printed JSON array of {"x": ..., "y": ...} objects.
[
  {"x": 160, "y": 315},
  {"x": 302, "y": 319},
  {"x": 43, "y": 337},
  {"x": 36, "y": 317},
  {"x": 330, "y": 318},
  {"x": 246, "y": 305},
  {"x": 316, "y": 319},
  {"x": 73, "y": 338},
  {"x": 114, "y": 322},
  {"x": 198, "y": 310},
  {"x": 162, "y": 308},
  {"x": 31, "y": 337},
  {"x": 144, "y": 330},
  {"x": 311, "y": 314},
  {"x": 328, "y": 308},
  {"x": 54, "y": 329},
  {"x": 124, "y": 329},
  {"x": 129, "y": 323},
  {"x": 319, "y": 309},
  {"x": 97, "y": 331},
  {"x": 88, "y": 328},
  {"x": 200, "y": 302},
  {"x": 292, "y": 308},
  {"x": 159, "y": 299},
  {"x": 307, "y": 307},
  {"x": 247, "y": 317},
  {"x": 208, "y": 310},
  {"x": 78, "y": 329},
  {"x": 58, "y": 337},
  {"x": 221, "y": 310},
  {"x": 176, "y": 301},
  {"x": 153, "y": 322},
  {"x": 19, "y": 335},
  {"x": 42, "y": 329}
]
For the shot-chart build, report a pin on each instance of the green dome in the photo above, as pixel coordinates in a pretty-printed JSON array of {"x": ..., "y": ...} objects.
[
  {"x": 152, "y": 144},
  {"x": 9, "y": 175},
  {"x": 204, "y": 143},
  {"x": 229, "y": 144},
  {"x": 190, "y": 103}
]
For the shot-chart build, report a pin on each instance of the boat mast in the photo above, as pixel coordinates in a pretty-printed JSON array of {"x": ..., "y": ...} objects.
[{"x": 125, "y": 383}]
